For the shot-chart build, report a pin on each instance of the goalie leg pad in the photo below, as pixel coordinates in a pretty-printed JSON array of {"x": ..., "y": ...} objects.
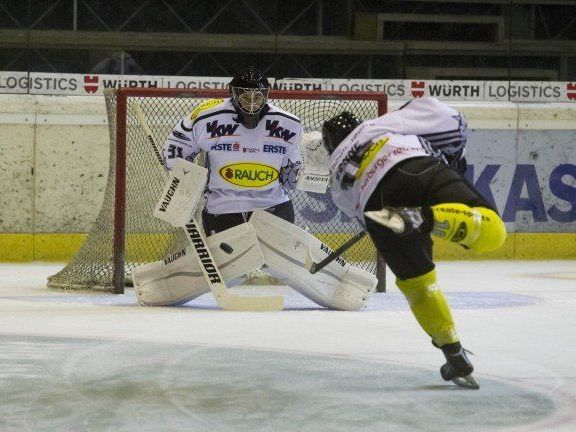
[
  {"x": 355, "y": 288},
  {"x": 178, "y": 278},
  {"x": 161, "y": 284},
  {"x": 286, "y": 249}
]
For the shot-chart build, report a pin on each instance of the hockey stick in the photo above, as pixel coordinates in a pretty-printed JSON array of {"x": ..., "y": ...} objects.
[
  {"x": 315, "y": 267},
  {"x": 225, "y": 299}
]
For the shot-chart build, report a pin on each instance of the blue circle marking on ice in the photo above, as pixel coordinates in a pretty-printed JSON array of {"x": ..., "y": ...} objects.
[
  {"x": 459, "y": 300},
  {"x": 53, "y": 383},
  {"x": 293, "y": 301}
]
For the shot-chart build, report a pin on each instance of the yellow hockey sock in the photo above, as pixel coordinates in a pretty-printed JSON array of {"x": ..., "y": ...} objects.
[
  {"x": 430, "y": 307},
  {"x": 477, "y": 228}
]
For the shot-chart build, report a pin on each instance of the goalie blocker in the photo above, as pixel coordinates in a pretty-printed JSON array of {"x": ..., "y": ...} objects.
[{"x": 182, "y": 192}]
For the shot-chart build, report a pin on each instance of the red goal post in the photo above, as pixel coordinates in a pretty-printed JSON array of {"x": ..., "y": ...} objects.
[{"x": 125, "y": 234}]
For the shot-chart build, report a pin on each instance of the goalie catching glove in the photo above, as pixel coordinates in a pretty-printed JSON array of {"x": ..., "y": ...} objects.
[{"x": 315, "y": 173}]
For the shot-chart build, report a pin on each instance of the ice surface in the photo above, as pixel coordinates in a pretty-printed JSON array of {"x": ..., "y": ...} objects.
[{"x": 85, "y": 362}]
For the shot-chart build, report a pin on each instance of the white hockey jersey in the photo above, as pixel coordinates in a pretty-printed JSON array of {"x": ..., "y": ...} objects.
[
  {"x": 248, "y": 168},
  {"x": 423, "y": 127},
  {"x": 442, "y": 126}
]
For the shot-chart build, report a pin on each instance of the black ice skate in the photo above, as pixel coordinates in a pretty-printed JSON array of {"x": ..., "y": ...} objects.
[
  {"x": 458, "y": 368},
  {"x": 400, "y": 220}
]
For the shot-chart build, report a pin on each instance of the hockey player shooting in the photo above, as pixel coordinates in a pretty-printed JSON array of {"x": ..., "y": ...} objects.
[
  {"x": 253, "y": 155},
  {"x": 400, "y": 176}
]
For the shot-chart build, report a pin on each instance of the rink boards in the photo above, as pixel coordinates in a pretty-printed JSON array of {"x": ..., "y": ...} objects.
[{"x": 55, "y": 161}]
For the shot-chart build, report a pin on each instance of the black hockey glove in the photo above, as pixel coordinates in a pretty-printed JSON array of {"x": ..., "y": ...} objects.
[{"x": 459, "y": 164}]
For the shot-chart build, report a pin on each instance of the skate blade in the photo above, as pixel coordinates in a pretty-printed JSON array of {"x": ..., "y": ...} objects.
[
  {"x": 387, "y": 220},
  {"x": 467, "y": 382}
]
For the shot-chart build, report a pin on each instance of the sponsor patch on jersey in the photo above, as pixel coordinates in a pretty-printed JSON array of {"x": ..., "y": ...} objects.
[
  {"x": 222, "y": 147},
  {"x": 250, "y": 150},
  {"x": 248, "y": 174},
  {"x": 269, "y": 148},
  {"x": 203, "y": 107},
  {"x": 233, "y": 147},
  {"x": 369, "y": 155}
]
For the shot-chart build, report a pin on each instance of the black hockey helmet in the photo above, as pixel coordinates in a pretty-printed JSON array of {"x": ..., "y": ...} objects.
[
  {"x": 337, "y": 128},
  {"x": 249, "y": 93}
]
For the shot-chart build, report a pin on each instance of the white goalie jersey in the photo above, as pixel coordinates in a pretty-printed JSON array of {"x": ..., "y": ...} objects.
[{"x": 248, "y": 168}]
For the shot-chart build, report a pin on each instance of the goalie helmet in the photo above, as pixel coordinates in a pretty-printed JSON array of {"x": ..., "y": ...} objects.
[
  {"x": 249, "y": 93},
  {"x": 337, "y": 128}
]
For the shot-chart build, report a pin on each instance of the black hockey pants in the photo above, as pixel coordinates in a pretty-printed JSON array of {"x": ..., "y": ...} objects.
[
  {"x": 416, "y": 182},
  {"x": 214, "y": 223}
]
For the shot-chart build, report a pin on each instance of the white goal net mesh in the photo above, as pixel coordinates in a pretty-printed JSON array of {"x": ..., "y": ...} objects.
[{"x": 144, "y": 238}]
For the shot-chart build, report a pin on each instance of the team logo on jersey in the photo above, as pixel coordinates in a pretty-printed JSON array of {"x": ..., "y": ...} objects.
[
  {"x": 203, "y": 107},
  {"x": 218, "y": 130},
  {"x": 249, "y": 175},
  {"x": 276, "y": 131}
]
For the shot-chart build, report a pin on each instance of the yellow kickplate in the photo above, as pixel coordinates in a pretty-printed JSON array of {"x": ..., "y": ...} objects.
[{"x": 520, "y": 246}]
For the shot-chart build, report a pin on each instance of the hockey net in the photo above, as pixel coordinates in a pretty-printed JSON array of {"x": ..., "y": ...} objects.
[{"x": 126, "y": 235}]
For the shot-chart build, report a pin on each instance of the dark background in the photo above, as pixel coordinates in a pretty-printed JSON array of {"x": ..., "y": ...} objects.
[{"x": 491, "y": 39}]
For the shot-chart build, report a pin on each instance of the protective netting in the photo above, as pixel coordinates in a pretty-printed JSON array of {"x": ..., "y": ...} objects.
[{"x": 148, "y": 239}]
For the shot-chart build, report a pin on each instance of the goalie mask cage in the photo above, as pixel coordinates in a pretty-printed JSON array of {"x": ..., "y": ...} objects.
[{"x": 125, "y": 234}]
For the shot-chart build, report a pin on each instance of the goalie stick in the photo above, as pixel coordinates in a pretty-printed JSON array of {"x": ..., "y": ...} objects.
[{"x": 225, "y": 299}]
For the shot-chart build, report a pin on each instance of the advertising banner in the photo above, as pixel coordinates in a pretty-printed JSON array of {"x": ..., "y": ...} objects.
[
  {"x": 531, "y": 181},
  {"x": 94, "y": 84}
]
